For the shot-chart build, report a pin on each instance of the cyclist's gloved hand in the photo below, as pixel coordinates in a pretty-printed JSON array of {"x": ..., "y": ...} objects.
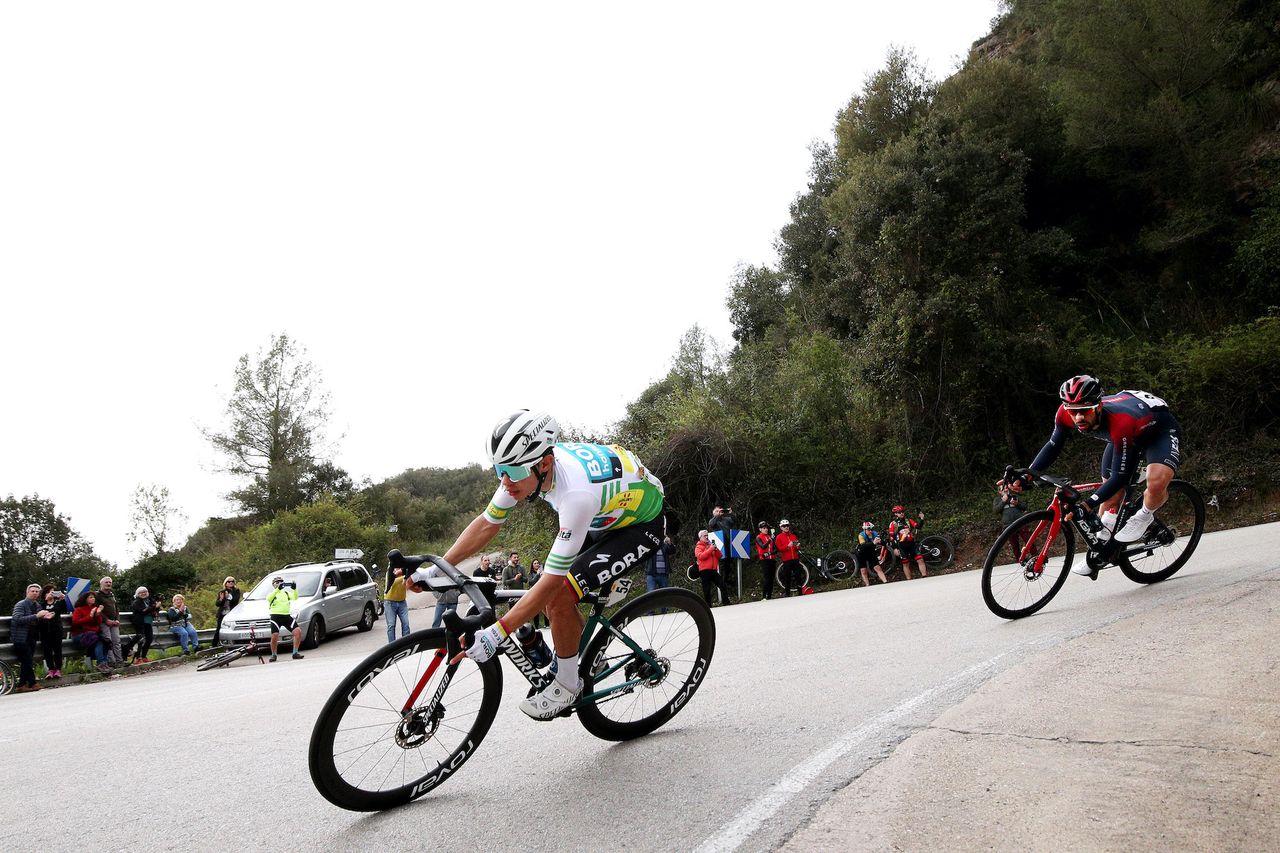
[{"x": 486, "y": 643}]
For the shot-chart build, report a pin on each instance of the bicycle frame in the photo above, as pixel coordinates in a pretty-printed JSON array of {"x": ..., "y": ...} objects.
[
  {"x": 1055, "y": 525},
  {"x": 596, "y": 621}
]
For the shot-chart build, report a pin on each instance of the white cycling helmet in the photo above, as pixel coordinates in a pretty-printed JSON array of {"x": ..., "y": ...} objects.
[
  {"x": 522, "y": 438},
  {"x": 784, "y": 523}
]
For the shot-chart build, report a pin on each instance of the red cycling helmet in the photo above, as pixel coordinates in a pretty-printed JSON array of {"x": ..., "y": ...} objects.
[
  {"x": 899, "y": 508},
  {"x": 1081, "y": 390}
]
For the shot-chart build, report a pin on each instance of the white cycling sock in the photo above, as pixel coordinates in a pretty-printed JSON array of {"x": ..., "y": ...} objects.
[{"x": 567, "y": 673}]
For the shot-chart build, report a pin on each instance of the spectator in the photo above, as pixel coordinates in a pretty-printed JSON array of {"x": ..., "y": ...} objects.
[
  {"x": 722, "y": 520},
  {"x": 395, "y": 607},
  {"x": 535, "y": 572},
  {"x": 1008, "y": 504},
  {"x": 86, "y": 628},
  {"x": 27, "y": 615},
  {"x": 788, "y": 548},
  {"x": 902, "y": 535},
  {"x": 228, "y": 598},
  {"x": 145, "y": 609},
  {"x": 485, "y": 569},
  {"x": 445, "y": 601},
  {"x": 278, "y": 601},
  {"x": 513, "y": 575},
  {"x": 180, "y": 624},
  {"x": 767, "y": 554},
  {"x": 658, "y": 570},
  {"x": 708, "y": 557},
  {"x": 869, "y": 551},
  {"x": 50, "y": 630},
  {"x": 110, "y": 622}
]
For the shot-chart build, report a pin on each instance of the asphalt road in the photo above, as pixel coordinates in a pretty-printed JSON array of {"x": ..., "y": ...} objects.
[{"x": 806, "y": 700}]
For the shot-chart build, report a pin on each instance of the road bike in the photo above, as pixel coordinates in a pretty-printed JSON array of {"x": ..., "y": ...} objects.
[
  {"x": 8, "y": 678},
  {"x": 1044, "y": 556},
  {"x": 234, "y": 653},
  {"x": 407, "y": 717}
]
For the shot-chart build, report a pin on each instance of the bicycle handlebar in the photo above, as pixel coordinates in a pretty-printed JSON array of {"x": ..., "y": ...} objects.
[
  {"x": 457, "y": 624},
  {"x": 1062, "y": 484}
]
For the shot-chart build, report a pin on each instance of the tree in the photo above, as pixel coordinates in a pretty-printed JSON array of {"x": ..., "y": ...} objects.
[
  {"x": 893, "y": 101},
  {"x": 162, "y": 573},
  {"x": 277, "y": 414},
  {"x": 153, "y": 519},
  {"x": 39, "y": 545}
]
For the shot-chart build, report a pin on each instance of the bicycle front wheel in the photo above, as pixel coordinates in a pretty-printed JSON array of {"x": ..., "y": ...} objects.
[
  {"x": 401, "y": 723},
  {"x": 1170, "y": 540},
  {"x": 675, "y": 628},
  {"x": 221, "y": 659},
  {"x": 937, "y": 550},
  {"x": 839, "y": 564},
  {"x": 1017, "y": 589}
]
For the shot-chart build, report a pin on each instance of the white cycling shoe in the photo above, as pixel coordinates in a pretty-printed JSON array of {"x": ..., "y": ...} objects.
[
  {"x": 1136, "y": 526},
  {"x": 551, "y": 702}
]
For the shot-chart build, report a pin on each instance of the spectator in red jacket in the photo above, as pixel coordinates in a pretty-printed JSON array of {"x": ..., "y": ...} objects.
[
  {"x": 788, "y": 545},
  {"x": 708, "y": 557},
  {"x": 768, "y": 556},
  {"x": 86, "y": 628},
  {"x": 902, "y": 538}
]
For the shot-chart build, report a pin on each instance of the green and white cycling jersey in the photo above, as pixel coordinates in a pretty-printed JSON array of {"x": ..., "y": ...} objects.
[{"x": 595, "y": 487}]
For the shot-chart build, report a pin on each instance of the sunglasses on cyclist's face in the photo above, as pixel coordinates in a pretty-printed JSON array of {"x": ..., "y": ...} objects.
[
  {"x": 514, "y": 473},
  {"x": 1088, "y": 408}
]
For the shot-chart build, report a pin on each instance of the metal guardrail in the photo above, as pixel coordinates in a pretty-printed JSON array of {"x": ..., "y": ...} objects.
[{"x": 70, "y": 648}]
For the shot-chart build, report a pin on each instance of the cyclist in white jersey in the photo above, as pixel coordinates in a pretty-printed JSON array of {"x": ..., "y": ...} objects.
[{"x": 610, "y": 509}]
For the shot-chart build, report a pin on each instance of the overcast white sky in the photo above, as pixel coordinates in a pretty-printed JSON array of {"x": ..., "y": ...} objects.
[{"x": 459, "y": 210}]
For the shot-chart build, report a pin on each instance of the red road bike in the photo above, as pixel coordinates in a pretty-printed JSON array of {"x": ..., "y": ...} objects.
[{"x": 1044, "y": 543}]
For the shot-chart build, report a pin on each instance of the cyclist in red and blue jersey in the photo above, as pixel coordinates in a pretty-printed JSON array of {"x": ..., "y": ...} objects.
[{"x": 1133, "y": 424}]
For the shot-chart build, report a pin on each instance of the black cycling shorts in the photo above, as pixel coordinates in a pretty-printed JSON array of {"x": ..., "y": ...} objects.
[
  {"x": 906, "y": 549},
  {"x": 613, "y": 554},
  {"x": 865, "y": 556},
  {"x": 282, "y": 620},
  {"x": 1163, "y": 446}
]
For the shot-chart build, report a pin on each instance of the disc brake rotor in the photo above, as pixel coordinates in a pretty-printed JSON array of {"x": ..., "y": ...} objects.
[
  {"x": 418, "y": 727},
  {"x": 653, "y": 676}
]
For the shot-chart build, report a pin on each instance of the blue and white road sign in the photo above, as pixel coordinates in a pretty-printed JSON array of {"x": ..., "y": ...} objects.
[
  {"x": 739, "y": 543},
  {"x": 76, "y": 587}
]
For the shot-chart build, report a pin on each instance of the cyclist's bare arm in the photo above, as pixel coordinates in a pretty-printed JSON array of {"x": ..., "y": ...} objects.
[{"x": 479, "y": 532}]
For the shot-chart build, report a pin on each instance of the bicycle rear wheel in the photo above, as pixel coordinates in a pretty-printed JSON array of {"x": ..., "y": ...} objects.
[
  {"x": 1014, "y": 590},
  {"x": 368, "y": 752},
  {"x": 222, "y": 659},
  {"x": 672, "y": 625},
  {"x": 937, "y": 550},
  {"x": 8, "y": 680},
  {"x": 840, "y": 564},
  {"x": 1170, "y": 540},
  {"x": 801, "y": 577}
]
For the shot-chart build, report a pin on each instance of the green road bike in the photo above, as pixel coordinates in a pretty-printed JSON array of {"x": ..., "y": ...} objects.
[{"x": 406, "y": 718}]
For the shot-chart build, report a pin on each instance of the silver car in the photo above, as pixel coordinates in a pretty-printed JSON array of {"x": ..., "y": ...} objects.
[{"x": 331, "y": 596}]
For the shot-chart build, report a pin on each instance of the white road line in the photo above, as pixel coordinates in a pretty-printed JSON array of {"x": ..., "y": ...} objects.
[{"x": 747, "y": 821}]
